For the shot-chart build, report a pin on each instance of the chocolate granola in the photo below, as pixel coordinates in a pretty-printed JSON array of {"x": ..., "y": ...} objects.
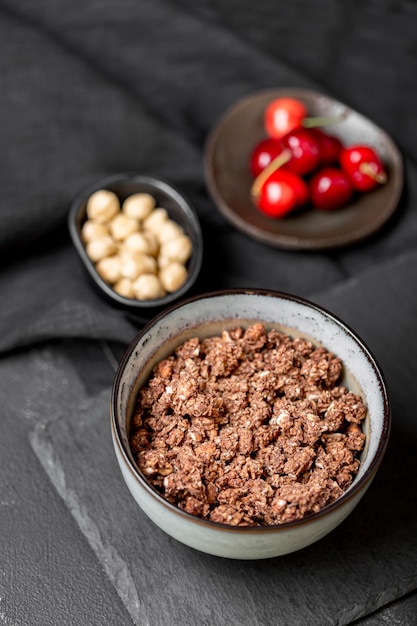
[{"x": 248, "y": 428}]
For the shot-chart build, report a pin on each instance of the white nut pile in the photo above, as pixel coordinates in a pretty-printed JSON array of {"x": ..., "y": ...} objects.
[{"x": 135, "y": 246}]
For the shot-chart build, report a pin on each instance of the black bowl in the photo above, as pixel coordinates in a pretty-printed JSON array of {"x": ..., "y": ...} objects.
[{"x": 167, "y": 196}]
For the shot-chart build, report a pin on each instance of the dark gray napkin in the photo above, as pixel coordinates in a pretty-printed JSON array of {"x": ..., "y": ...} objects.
[
  {"x": 93, "y": 88},
  {"x": 368, "y": 561}
]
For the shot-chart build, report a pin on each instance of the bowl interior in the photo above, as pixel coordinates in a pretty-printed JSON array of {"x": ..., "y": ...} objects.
[
  {"x": 166, "y": 196},
  {"x": 229, "y": 179},
  {"x": 209, "y": 315}
]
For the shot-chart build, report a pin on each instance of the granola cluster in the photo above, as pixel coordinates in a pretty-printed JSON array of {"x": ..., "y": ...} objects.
[{"x": 248, "y": 428}]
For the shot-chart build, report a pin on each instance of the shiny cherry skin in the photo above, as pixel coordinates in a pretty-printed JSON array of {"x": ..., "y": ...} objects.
[
  {"x": 330, "y": 189},
  {"x": 330, "y": 146},
  {"x": 305, "y": 150},
  {"x": 263, "y": 154},
  {"x": 363, "y": 166},
  {"x": 282, "y": 192},
  {"x": 283, "y": 115}
]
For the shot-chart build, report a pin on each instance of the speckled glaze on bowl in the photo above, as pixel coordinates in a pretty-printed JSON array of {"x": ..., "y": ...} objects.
[
  {"x": 166, "y": 196},
  {"x": 208, "y": 315},
  {"x": 228, "y": 178}
]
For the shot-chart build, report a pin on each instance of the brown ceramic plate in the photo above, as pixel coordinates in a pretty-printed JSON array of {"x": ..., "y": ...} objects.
[{"x": 229, "y": 180}]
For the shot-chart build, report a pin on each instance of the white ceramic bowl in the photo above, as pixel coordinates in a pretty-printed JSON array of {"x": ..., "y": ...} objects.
[{"x": 208, "y": 315}]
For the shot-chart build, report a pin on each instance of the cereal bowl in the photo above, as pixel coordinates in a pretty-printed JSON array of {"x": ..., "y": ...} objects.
[
  {"x": 115, "y": 251},
  {"x": 208, "y": 316}
]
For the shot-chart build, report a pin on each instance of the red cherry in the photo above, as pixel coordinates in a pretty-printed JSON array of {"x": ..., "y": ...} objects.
[
  {"x": 330, "y": 188},
  {"x": 364, "y": 167},
  {"x": 263, "y": 154},
  {"x": 330, "y": 146},
  {"x": 305, "y": 151},
  {"x": 283, "y": 115},
  {"x": 281, "y": 193}
]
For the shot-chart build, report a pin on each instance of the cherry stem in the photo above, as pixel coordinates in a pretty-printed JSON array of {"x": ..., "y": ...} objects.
[
  {"x": 275, "y": 164},
  {"x": 312, "y": 122},
  {"x": 370, "y": 170}
]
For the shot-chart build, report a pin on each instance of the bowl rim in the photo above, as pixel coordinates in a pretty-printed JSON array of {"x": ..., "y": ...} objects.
[
  {"x": 358, "y": 485},
  {"x": 160, "y": 184}
]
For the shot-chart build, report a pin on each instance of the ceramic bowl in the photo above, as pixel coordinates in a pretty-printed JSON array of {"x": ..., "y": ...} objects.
[
  {"x": 167, "y": 196},
  {"x": 229, "y": 180},
  {"x": 208, "y": 315}
]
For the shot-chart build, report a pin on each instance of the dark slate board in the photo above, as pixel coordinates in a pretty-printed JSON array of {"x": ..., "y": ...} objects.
[{"x": 49, "y": 574}]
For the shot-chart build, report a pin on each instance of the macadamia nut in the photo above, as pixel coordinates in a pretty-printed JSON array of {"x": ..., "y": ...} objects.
[
  {"x": 155, "y": 220},
  {"x": 102, "y": 205},
  {"x": 170, "y": 230},
  {"x": 99, "y": 248},
  {"x": 122, "y": 226},
  {"x": 148, "y": 287},
  {"x": 109, "y": 269},
  {"x": 178, "y": 249},
  {"x": 124, "y": 287},
  {"x": 173, "y": 276},
  {"x": 93, "y": 230},
  {"x": 135, "y": 264},
  {"x": 138, "y": 205},
  {"x": 138, "y": 242}
]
